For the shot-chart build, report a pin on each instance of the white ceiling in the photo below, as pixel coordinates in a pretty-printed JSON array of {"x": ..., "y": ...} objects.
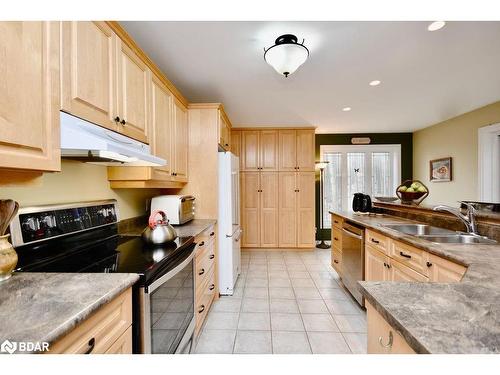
[{"x": 427, "y": 77}]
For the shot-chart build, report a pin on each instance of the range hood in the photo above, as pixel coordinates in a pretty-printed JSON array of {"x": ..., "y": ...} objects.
[{"x": 90, "y": 143}]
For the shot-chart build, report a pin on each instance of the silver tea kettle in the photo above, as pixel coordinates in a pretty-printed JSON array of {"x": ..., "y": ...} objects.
[{"x": 158, "y": 231}]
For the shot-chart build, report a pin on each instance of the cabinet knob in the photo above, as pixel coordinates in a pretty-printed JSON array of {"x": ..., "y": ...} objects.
[
  {"x": 212, "y": 234},
  {"x": 335, "y": 261},
  {"x": 212, "y": 256},
  {"x": 123, "y": 122},
  {"x": 202, "y": 271},
  {"x": 202, "y": 243},
  {"x": 201, "y": 309},
  {"x": 429, "y": 264},
  {"x": 117, "y": 119},
  {"x": 211, "y": 287}
]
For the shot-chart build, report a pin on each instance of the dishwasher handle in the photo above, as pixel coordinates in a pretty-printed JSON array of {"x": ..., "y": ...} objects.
[{"x": 351, "y": 234}]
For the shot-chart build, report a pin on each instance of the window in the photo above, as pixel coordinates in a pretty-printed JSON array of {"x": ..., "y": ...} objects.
[{"x": 372, "y": 169}]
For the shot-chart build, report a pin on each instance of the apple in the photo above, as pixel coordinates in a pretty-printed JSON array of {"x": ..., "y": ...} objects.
[
  {"x": 415, "y": 185},
  {"x": 422, "y": 189},
  {"x": 402, "y": 188},
  {"x": 410, "y": 190}
]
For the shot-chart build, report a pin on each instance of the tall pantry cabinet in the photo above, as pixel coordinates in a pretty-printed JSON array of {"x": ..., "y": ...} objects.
[{"x": 277, "y": 187}]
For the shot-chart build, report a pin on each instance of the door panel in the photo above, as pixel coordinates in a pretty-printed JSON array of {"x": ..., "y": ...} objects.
[
  {"x": 269, "y": 183},
  {"x": 287, "y": 210},
  {"x": 133, "y": 93},
  {"x": 161, "y": 127},
  {"x": 88, "y": 72},
  {"x": 400, "y": 272},
  {"x": 305, "y": 209},
  {"x": 268, "y": 144},
  {"x": 181, "y": 134},
  {"x": 250, "y": 217},
  {"x": 305, "y": 150},
  {"x": 250, "y": 150},
  {"x": 287, "y": 150},
  {"x": 375, "y": 261},
  {"x": 29, "y": 95}
]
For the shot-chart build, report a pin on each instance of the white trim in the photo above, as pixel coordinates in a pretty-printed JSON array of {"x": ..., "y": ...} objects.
[
  {"x": 394, "y": 149},
  {"x": 489, "y": 163}
]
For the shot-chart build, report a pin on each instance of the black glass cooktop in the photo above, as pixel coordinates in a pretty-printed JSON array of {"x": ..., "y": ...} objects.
[{"x": 103, "y": 250}]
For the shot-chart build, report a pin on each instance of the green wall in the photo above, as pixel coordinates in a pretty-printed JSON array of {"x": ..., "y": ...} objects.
[{"x": 404, "y": 139}]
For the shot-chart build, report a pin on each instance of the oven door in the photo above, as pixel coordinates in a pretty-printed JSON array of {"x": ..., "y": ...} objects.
[{"x": 167, "y": 309}]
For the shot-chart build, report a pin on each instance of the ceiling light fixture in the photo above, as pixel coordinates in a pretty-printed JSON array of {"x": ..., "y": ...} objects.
[
  {"x": 346, "y": 109},
  {"x": 286, "y": 55},
  {"x": 375, "y": 83},
  {"x": 436, "y": 25}
]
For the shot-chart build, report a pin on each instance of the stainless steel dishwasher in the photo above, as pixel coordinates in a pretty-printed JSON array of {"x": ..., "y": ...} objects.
[{"x": 353, "y": 254}]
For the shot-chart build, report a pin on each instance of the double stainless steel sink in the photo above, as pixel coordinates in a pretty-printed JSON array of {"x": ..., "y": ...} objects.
[{"x": 438, "y": 235}]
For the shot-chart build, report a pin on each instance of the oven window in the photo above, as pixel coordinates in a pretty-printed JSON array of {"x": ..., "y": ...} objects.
[{"x": 172, "y": 309}]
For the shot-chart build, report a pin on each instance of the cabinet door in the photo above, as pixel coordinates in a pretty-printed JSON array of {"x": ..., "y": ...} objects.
[
  {"x": 250, "y": 216},
  {"x": 161, "y": 128},
  {"x": 250, "y": 150},
  {"x": 444, "y": 271},
  {"x": 305, "y": 209},
  {"x": 268, "y": 150},
  {"x": 287, "y": 210},
  {"x": 236, "y": 143},
  {"x": 400, "y": 272},
  {"x": 269, "y": 183},
  {"x": 29, "y": 96},
  {"x": 180, "y": 142},
  {"x": 88, "y": 72},
  {"x": 376, "y": 265},
  {"x": 224, "y": 132},
  {"x": 287, "y": 150},
  {"x": 133, "y": 93},
  {"x": 305, "y": 150}
]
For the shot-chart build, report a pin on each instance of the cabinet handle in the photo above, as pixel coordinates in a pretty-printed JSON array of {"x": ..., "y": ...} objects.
[
  {"x": 117, "y": 119},
  {"x": 385, "y": 264},
  {"x": 201, "y": 309},
  {"x": 202, "y": 271},
  {"x": 335, "y": 238},
  {"x": 429, "y": 264},
  {"x": 123, "y": 122},
  {"x": 91, "y": 345},
  {"x": 335, "y": 261},
  {"x": 335, "y": 221},
  {"x": 212, "y": 256},
  {"x": 211, "y": 287},
  {"x": 404, "y": 255},
  {"x": 202, "y": 243},
  {"x": 226, "y": 145},
  {"x": 389, "y": 343},
  {"x": 212, "y": 233},
  {"x": 374, "y": 240}
]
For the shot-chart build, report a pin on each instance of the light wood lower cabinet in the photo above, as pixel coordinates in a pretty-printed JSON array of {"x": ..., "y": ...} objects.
[
  {"x": 29, "y": 96},
  {"x": 306, "y": 225},
  {"x": 205, "y": 278},
  {"x": 337, "y": 261},
  {"x": 382, "y": 338},
  {"x": 376, "y": 265},
  {"x": 444, "y": 271},
  {"x": 108, "y": 330},
  {"x": 269, "y": 216}
]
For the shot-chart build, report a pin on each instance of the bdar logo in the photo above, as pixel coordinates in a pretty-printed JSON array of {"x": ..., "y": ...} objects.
[{"x": 8, "y": 346}]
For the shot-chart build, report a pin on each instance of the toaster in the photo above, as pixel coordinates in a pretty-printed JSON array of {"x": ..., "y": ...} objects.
[{"x": 178, "y": 208}]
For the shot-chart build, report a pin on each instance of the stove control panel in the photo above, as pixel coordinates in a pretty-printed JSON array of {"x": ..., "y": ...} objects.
[{"x": 40, "y": 223}]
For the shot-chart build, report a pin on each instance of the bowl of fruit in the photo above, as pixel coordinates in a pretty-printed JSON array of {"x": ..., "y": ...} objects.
[{"x": 412, "y": 192}]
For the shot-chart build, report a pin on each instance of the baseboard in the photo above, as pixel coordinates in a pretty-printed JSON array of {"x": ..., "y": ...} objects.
[{"x": 261, "y": 249}]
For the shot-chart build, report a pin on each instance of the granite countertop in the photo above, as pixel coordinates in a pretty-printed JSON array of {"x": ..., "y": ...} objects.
[
  {"x": 459, "y": 317},
  {"x": 43, "y": 307},
  {"x": 190, "y": 229}
]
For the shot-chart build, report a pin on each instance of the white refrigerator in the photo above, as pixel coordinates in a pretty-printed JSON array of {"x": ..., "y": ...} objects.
[{"x": 229, "y": 230}]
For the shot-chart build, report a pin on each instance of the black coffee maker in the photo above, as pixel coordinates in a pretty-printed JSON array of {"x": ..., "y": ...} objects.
[{"x": 361, "y": 203}]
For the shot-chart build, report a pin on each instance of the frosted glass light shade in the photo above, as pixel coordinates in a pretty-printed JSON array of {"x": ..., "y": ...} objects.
[{"x": 286, "y": 55}]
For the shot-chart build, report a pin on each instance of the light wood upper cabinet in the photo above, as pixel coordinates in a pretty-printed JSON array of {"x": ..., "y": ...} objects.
[
  {"x": 162, "y": 133},
  {"x": 268, "y": 150},
  {"x": 305, "y": 209},
  {"x": 236, "y": 143},
  {"x": 88, "y": 72},
  {"x": 287, "y": 209},
  {"x": 29, "y": 95},
  {"x": 181, "y": 139},
  {"x": 305, "y": 150},
  {"x": 250, "y": 150},
  {"x": 269, "y": 182},
  {"x": 133, "y": 89},
  {"x": 287, "y": 150},
  {"x": 250, "y": 202},
  {"x": 224, "y": 131}
]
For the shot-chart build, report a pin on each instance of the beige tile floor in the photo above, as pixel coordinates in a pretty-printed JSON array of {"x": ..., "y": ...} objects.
[{"x": 285, "y": 303}]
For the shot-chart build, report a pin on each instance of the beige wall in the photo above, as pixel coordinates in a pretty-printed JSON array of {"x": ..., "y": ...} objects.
[
  {"x": 457, "y": 138},
  {"x": 79, "y": 182}
]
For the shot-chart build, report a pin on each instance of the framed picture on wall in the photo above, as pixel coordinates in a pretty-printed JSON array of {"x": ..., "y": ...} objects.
[{"x": 440, "y": 170}]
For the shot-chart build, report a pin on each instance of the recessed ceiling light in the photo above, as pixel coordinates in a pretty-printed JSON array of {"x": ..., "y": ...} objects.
[
  {"x": 346, "y": 109},
  {"x": 374, "y": 83},
  {"x": 436, "y": 25}
]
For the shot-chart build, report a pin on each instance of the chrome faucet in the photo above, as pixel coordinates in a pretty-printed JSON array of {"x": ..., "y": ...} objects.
[{"x": 469, "y": 219}]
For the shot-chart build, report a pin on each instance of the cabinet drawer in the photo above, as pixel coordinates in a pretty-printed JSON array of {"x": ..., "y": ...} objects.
[
  {"x": 410, "y": 256},
  {"x": 337, "y": 238},
  {"x": 204, "y": 298},
  {"x": 207, "y": 235},
  {"x": 378, "y": 241},
  {"x": 444, "y": 271},
  {"x": 382, "y": 338},
  {"x": 101, "y": 330},
  {"x": 123, "y": 345},
  {"x": 337, "y": 261},
  {"x": 203, "y": 263},
  {"x": 400, "y": 272},
  {"x": 337, "y": 221}
]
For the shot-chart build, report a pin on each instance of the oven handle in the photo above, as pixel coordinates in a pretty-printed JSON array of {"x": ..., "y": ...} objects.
[{"x": 157, "y": 283}]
